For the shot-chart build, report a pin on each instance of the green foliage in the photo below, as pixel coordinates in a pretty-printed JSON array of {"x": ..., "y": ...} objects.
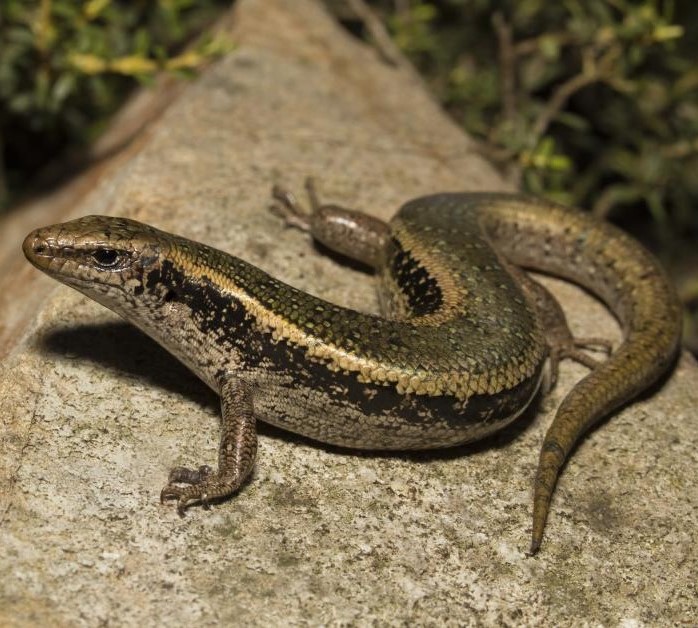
[
  {"x": 590, "y": 102},
  {"x": 65, "y": 65}
]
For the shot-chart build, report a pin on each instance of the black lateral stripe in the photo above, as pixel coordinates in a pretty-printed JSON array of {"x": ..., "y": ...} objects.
[
  {"x": 214, "y": 312},
  {"x": 424, "y": 296}
]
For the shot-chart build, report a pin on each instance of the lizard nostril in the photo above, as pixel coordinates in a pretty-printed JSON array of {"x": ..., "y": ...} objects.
[
  {"x": 40, "y": 246},
  {"x": 34, "y": 245}
]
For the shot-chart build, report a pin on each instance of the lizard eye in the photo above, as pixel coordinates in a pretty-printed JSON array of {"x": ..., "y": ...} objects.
[{"x": 106, "y": 258}]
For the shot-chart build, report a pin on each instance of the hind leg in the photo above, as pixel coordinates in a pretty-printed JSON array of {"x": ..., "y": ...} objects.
[{"x": 562, "y": 344}]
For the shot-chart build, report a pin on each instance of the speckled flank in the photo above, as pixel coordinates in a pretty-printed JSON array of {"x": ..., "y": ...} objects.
[{"x": 458, "y": 354}]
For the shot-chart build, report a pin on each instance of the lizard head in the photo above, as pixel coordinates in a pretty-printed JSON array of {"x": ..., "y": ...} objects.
[
  {"x": 169, "y": 287},
  {"x": 108, "y": 259},
  {"x": 94, "y": 250}
]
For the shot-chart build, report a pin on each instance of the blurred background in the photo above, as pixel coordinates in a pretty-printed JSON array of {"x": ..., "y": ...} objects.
[{"x": 593, "y": 103}]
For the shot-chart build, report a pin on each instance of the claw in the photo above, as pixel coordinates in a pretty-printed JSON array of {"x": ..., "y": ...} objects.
[
  {"x": 178, "y": 493},
  {"x": 168, "y": 492}
]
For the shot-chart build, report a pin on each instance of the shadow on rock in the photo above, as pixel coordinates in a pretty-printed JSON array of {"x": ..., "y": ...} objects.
[{"x": 123, "y": 348}]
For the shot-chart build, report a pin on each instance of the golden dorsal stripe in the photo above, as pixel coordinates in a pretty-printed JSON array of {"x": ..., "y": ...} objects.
[{"x": 459, "y": 384}]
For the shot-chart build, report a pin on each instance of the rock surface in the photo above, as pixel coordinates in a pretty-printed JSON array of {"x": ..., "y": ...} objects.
[{"x": 94, "y": 414}]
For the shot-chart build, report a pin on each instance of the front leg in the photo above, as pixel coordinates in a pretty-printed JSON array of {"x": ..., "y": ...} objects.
[{"x": 236, "y": 453}]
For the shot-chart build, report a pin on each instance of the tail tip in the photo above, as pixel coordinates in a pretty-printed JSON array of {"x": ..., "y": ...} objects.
[{"x": 535, "y": 546}]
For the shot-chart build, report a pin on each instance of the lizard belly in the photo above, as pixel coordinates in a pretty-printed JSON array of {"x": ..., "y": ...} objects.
[{"x": 382, "y": 419}]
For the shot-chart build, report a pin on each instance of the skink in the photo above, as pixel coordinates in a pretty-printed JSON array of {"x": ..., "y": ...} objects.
[{"x": 458, "y": 352}]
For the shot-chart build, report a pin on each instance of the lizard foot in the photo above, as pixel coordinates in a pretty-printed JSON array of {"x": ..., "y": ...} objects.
[
  {"x": 204, "y": 485},
  {"x": 287, "y": 207},
  {"x": 562, "y": 344},
  {"x": 569, "y": 347},
  {"x": 236, "y": 454}
]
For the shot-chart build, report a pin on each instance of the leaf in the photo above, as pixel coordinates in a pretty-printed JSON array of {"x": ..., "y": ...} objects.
[
  {"x": 94, "y": 8},
  {"x": 133, "y": 65},
  {"x": 87, "y": 63},
  {"x": 63, "y": 88}
]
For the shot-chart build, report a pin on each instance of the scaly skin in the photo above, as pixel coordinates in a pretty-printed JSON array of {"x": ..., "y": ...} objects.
[{"x": 457, "y": 355}]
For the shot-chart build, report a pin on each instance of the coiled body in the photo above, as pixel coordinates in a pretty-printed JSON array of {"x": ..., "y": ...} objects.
[{"x": 457, "y": 354}]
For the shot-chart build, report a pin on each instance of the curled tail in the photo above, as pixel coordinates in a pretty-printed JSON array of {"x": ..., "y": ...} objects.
[
  {"x": 617, "y": 269},
  {"x": 640, "y": 360}
]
